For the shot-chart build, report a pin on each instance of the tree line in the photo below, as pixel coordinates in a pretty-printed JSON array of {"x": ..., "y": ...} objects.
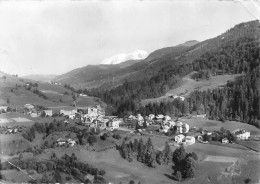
[
  {"x": 66, "y": 164},
  {"x": 184, "y": 164}
]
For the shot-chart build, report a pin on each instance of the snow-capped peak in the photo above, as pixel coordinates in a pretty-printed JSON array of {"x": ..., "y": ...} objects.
[{"x": 122, "y": 57}]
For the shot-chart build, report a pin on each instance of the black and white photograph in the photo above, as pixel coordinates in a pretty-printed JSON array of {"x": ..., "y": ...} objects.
[{"x": 130, "y": 92}]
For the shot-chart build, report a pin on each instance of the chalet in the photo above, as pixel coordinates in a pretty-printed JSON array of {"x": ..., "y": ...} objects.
[
  {"x": 48, "y": 112},
  {"x": 179, "y": 138},
  {"x": 151, "y": 116},
  {"x": 190, "y": 140},
  {"x": 242, "y": 134}
]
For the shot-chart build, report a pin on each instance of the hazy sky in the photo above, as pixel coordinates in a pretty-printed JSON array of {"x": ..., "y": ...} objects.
[{"x": 46, "y": 37}]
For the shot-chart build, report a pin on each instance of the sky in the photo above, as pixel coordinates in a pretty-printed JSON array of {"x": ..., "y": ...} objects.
[{"x": 54, "y": 37}]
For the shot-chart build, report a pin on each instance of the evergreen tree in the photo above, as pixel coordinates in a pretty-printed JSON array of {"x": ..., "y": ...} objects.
[
  {"x": 135, "y": 145},
  {"x": 167, "y": 153},
  {"x": 124, "y": 150},
  {"x": 159, "y": 157},
  {"x": 140, "y": 153},
  {"x": 150, "y": 157}
]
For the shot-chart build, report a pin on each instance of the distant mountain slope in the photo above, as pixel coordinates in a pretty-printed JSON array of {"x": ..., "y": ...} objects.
[
  {"x": 94, "y": 75},
  {"x": 39, "y": 77},
  {"x": 109, "y": 76},
  {"x": 170, "y": 58}
]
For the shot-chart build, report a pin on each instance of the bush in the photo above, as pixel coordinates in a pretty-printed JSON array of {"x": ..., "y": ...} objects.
[{"x": 104, "y": 136}]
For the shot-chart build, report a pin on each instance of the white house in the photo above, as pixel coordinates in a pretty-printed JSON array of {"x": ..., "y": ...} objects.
[
  {"x": 179, "y": 138},
  {"x": 34, "y": 114},
  {"x": 190, "y": 140},
  {"x": 242, "y": 134},
  {"x": 225, "y": 141},
  {"x": 114, "y": 124},
  {"x": 61, "y": 141},
  {"x": 69, "y": 112},
  {"x": 71, "y": 142},
  {"x": 167, "y": 118},
  {"x": 151, "y": 116},
  {"x": 204, "y": 116},
  {"x": 140, "y": 119},
  {"x": 171, "y": 123},
  {"x": 92, "y": 111},
  {"x": 82, "y": 94},
  {"x": 48, "y": 112},
  {"x": 29, "y": 106},
  {"x": 164, "y": 128}
]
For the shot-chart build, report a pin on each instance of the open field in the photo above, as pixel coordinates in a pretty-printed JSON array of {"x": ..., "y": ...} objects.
[
  {"x": 54, "y": 93},
  {"x": 211, "y": 158},
  {"x": 15, "y": 119},
  {"x": 188, "y": 85},
  {"x": 216, "y": 125}
]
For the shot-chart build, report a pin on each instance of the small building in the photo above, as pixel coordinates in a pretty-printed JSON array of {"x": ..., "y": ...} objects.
[
  {"x": 242, "y": 134},
  {"x": 159, "y": 117},
  {"x": 179, "y": 138},
  {"x": 71, "y": 142},
  {"x": 29, "y": 107},
  {"x": 179, "y": 126},
  {"x": 190, "y": 140},
  {"x": 114, "y": 124},
  {"x": 61, "y": 141},
  {"x": 204, "y": 116},
  {"x": 225, "y": 141},
  {"x": 151, "y": 116},
  {"x": 167, "y": 118},
  {"x": 185, "y": 128},
  {"x": 164, "y": 129},
  {"x": 3, "y": 109},
  {"x": 34, "y": 114},
  {"x": 48, "y": 112}
]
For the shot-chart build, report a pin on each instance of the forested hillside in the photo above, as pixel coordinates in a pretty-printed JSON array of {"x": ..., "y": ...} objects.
[{"x": 235, "y": 51}]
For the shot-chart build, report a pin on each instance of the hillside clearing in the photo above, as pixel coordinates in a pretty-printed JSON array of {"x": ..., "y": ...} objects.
[{"x": 188, "y": 85}]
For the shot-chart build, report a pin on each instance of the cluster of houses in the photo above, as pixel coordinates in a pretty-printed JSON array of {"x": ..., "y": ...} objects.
[
  {"x": 10, "y": 129},
  {"x": 34, "y": 113}
]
